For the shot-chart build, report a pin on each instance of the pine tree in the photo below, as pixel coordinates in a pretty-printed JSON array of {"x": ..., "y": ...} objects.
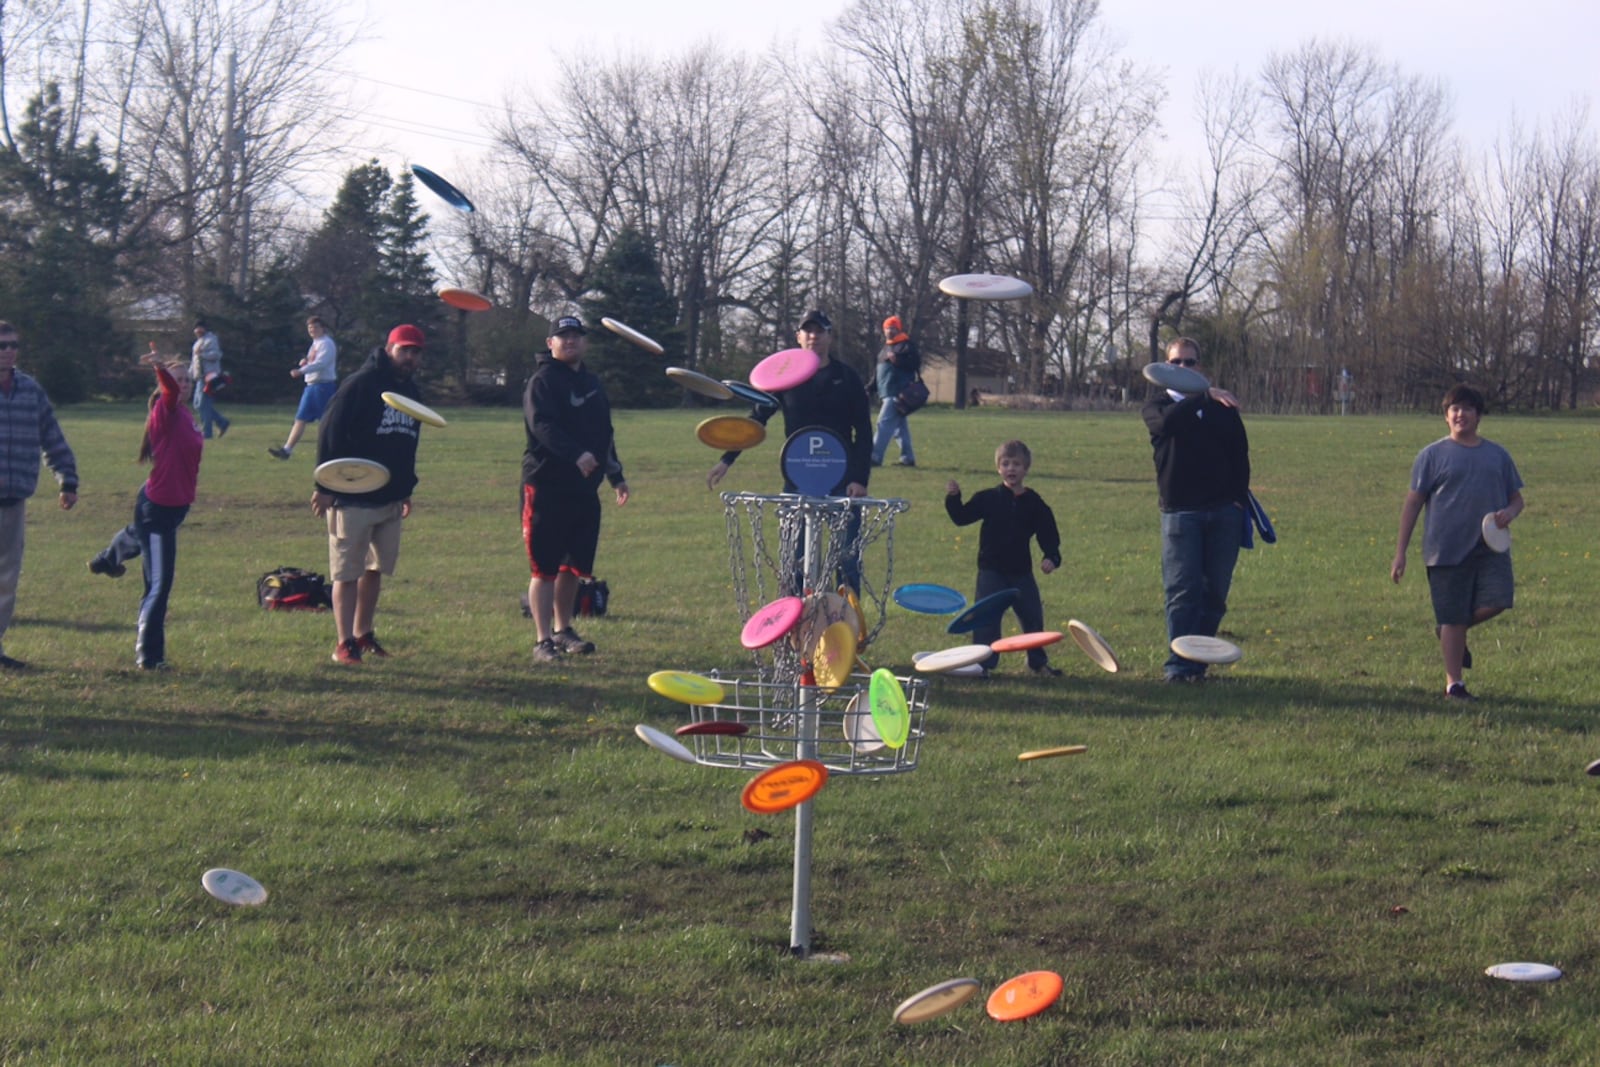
[{"x": 626, "y": 285}]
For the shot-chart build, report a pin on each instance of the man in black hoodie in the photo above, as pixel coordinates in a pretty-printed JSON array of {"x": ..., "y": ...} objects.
[
  {"x": 364, "y": 528},
  {"x": 571, "y": 447}
]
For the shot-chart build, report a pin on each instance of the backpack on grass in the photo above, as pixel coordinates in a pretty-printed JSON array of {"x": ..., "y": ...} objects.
[{"x": 290, "y": 588}]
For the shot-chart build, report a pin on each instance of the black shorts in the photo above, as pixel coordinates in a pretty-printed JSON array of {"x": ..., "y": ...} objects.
[{"x": 561, "y": 531}]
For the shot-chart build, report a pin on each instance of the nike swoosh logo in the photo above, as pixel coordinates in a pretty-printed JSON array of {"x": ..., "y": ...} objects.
[{"x": 577, "y": 401}]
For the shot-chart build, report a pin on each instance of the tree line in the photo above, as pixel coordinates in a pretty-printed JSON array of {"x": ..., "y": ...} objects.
[{"x": 1335, "y": 233}]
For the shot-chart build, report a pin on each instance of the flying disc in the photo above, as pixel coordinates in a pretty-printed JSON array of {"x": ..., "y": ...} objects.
[
  {"x": 713, "y": 728},
  {"x": 1175, "y": 376},
  {"x": 1496, "y": 537},
  {"x": 951, "y": 658},
  {"x": 935, "y": 1001},
  {"x": 233, "y": 887},
  {"x": 446, "y": 192},
  {"x": 1025, "y": 995},
  {"x": 1593, "y": 768},
  {"x": 985, "y": 287},
  {"x": 628, "y": 333},
  {"x": 1023, "y": 642},
  {"x": 887, "y": 703},
  {"x": 663, "y": 743},
  {"x": 465, "y": 299},
  {"x": 1048, "y": 753},
  {"x": 859, "y": 729},
  {"x": 784, "y": 786},
  {"x": 352, "y": 475},
  {"x": 750, "y": 393},
  {"x": 1258, "y": 515},
  {"x": 1204, "y": 649},
  {"x": 1524, "y": 972},
  {"x": 785, "y": 370},
  {"x": 686, "y": 688},
  {"x": 415, "y": 408},
  {"x": 926, "y": 598},
  {"x": 696, "y": 382},
  {"x": 834, "y": 655},
  {"x": 1094, "y": 646},
  {"x": 971, "y": 670},
  {"x": 771, "y": 622},
  {"x": 731, "y": 433},
  {"x": 983, "y": 612}
]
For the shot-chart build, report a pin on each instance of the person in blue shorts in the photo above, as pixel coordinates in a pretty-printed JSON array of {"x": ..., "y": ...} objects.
[{"x": 320, "y": 371}]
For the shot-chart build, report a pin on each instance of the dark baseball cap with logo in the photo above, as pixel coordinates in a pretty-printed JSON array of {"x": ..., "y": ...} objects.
[
  {"x": 816, "y": 315},
  {"x": 568, "y": 324}
]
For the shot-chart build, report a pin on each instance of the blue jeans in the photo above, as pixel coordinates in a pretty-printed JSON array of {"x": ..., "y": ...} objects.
[
  {"x": 157, "y": 528},
  {"x": 892, "y": 424},
  {"x": 209, "y": 415},
  {"x": 1198, "y": 551}
]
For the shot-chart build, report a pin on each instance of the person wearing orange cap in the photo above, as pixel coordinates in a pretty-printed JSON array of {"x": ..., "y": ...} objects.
[{"x": 899, "y": 364}]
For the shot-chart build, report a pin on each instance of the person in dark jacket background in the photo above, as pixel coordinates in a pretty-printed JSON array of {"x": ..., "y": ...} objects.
[
  {"x": 898, "y": 366},
  {"x": 571, "y": 447},
  {"x": 1202, "y": 459},
  {"x": 364, "y": 528}
]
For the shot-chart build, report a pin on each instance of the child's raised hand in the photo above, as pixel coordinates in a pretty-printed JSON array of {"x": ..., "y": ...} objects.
[{"x": 951, "y": 488}]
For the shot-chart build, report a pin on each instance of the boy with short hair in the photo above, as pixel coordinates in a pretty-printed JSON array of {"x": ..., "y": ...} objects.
[
  {"x": 1460, "y": 479},
  {"x": 1012, "y": 516}
]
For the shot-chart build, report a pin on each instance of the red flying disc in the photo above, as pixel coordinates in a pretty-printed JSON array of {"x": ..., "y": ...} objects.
[
  {"x": 465, "y": 299},
  {"x": 784, "y": 786},
  {"x": 1023, "y": 642},
  {"x": 712, "y": 726}
]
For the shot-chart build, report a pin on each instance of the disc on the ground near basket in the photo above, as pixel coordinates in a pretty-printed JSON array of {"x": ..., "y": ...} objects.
[
  {"x": 1051, "y": 753},
  {"x": 730, "y": 433},
  {"x": 833, "y": 656},
  {"x": 1023, "y": 642},
  {"x": 750, "y": 393},
  {"x": 949, "y": 659},
  {"x": 1524, "y": 972},
  {"x": 859, "y": 729},
  {"x": 1202, "y": 649},
  {"x": 696, "y": 382},
  {"x": 1094, "y": 646},
  {"x": 971, "y": 670},
  {"x": 1175, "y": 376},
  {"x": 352, "y": 475},
  {"x": 415, "y": 408},
  {"x": 465, "y": 299},
  {"x": 686, "y": 688},
  {"x": 1495, "y": 536},
  {"x": 925, "y": 598},
  {"x": 785, "y": 370},
  {"x": 887, "y": 703},
  {"x": 1025, "y": 995},
  {"x": 713, "y": 728},
  {"x": 983, "y": 612},
  {"x": 772, "y": 621},
  {"x": 936, "y": 1000},
  {"x": 445, "y": 191},
  {"x": 628, "y": 333},
  {"x": 663, "y": 743},
  {"x": 233, "y": 887},
  {"x": 784, "y": 786},
  {"x": 985, "y": 287}
]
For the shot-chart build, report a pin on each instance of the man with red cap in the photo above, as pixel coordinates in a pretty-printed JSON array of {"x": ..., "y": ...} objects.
[
  {"x": 364, "y": 528},
  {"x": 898, "y": 366}
]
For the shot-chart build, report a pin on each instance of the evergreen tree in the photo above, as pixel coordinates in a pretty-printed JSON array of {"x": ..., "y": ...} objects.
[
  {"x": 341, "y": 269},
  {"x": 626, "y": 285},
  {"x": 405, "y": 292}
]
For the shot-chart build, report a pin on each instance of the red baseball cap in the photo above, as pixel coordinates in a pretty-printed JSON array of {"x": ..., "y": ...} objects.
[{"x": 408, "y": 336}]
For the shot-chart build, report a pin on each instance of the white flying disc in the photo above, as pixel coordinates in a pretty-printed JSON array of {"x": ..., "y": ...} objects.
[
  {"x": 1093, "y": 645},
  {"x": 1496, "y": 537},
  {"x": 352, "y": 475},
  {"x": 859, "y": 729},
  {"x": 1202, "y": 649},
  {"x": 936, "y": 1000},
  {"x": 1593, "y": 768},
  {"x": 971, "y": 670},
  {"x": 1524, "y": 972},
  {"x": 950, "y": 658},
  {"x": 415, "y": 408},
  {"x": 664, "y": 743},
  {"x": 628, "y": 333},
  {"x": 232, "y": 887},
  {"x": 696, "y": 382},
  {"x": 1175, "y": 376},
  {"x": 985, "y": 287}
]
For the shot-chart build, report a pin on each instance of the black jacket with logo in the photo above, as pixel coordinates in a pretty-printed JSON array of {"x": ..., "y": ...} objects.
[
  {"x": 566, "y": 413},
  {"x": 359, "y": 425}
]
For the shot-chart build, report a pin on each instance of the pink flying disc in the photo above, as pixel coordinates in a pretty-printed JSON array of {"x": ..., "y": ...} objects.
[
  {"x": 770, "y": 623},
  {"x": 785, "y": 370}
]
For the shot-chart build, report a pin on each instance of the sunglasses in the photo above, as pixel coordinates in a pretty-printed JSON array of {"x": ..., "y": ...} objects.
[
  {"x": 10, "y": 345},
  {"x": 1184, "y": 362}
]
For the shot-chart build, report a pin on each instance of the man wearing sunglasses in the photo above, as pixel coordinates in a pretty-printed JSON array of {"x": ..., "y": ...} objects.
[{"x": 1202, "y": 459}]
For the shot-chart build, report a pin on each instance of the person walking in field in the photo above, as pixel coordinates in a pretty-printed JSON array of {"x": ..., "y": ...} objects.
[
  {"x": 320, "y": 372},
  {"x": 205, "y": 366},
  {"x": 899, "y": 363}
]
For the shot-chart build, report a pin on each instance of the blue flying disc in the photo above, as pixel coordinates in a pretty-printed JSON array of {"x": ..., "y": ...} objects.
[
  {"x": 926, "y": 598},
  {"x": 750, "y": 393},
  {"x": 987, "y": 610},
  {"x": 446, "y": 192},
  {"x": 1258, "y": 515}
]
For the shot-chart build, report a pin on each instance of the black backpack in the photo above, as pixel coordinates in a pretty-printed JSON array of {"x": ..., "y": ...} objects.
[{"x": 290, "y": 588}]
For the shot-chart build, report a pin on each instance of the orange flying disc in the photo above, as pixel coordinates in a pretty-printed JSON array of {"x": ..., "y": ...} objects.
[
  {"x": 1023, "y": 642},
  {"x": 465, "y": 299},
  {"x": 784, "y": 786},
  {"x": 1025, "y": 996},
  {"x": 1047, "y": 753}
]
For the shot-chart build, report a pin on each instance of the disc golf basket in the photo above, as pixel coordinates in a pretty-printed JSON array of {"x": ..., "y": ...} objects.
[{"x": 791, "y": 545}]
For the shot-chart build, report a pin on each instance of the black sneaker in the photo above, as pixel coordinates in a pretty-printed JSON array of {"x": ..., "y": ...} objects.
[
  {"x": 281, "y": 453},
  {"x": 546, "y": 652},
  {"x": 1458, "y": 691},
  {"x": 9, "y": 664},
  {"x": 1466, "y": 658},
  {"x": 102, "y": 565},
  {"x": 368, "y": 644},
  {"x": 1044, "y": 670},
  {"x": 568, "y": 640}
]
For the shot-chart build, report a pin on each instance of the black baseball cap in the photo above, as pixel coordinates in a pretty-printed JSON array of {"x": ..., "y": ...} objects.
[
  {"x": 568, "y": 323},
  {"x": 818, "y": 316}
]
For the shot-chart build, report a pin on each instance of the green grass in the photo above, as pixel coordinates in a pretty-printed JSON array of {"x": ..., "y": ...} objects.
[{"x": 473, "y": 860}]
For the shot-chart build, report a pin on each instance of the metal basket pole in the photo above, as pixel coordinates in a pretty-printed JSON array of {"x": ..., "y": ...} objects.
[{"x": 800, "y": 913}]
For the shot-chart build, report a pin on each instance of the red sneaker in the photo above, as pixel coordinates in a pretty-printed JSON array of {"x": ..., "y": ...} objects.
[
  {"x": 347, "y": 652},
  {"x": 368, "y": 645}
]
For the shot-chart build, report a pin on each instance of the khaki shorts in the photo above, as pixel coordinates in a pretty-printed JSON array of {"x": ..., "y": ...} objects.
[{"x": 363, "y": 539}]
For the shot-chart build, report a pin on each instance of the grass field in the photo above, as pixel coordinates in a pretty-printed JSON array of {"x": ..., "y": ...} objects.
[{"x": 474, "y": 861}]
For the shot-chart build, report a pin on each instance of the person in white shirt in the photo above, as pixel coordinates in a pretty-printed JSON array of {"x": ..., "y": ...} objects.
[{"x": 320, "y": 372}]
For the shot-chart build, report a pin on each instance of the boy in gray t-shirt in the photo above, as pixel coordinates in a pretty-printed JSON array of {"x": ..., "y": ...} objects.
[{"x": 1459, "y": 479}]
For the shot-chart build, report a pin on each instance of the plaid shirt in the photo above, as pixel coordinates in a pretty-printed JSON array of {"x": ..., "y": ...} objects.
[{"x": 28, "y": 428}]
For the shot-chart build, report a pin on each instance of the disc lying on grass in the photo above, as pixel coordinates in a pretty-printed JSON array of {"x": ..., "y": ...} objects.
[
  {"x": 935, "y": 1001},
  {"x": 1025, "y": 996},
  {"x": 1524, "y": 972},
  {"x": 233, "y": 887}
]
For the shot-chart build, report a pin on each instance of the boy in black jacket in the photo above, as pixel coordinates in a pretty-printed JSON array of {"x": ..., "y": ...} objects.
[{"x": 1012, "y": 516}]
